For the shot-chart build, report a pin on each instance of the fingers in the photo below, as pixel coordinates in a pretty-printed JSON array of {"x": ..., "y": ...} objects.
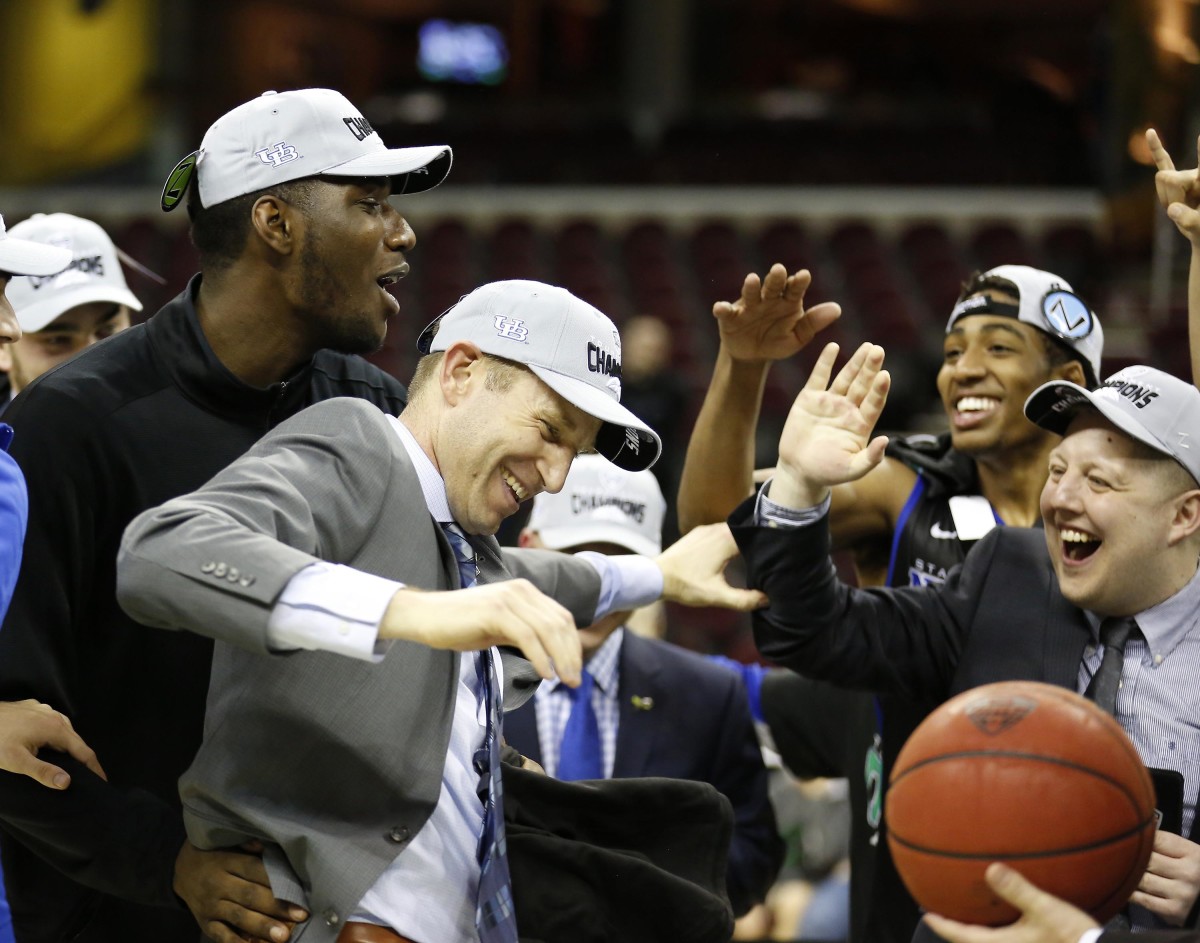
[
  {"x": 776, "y": 283},
  {"x": 751, "y": 289},
  {"x": 816, "y": 319},
  {"x": 543, "y": 630},
  {"x": 818, "y": 379},
  {"x": 27, "y": 726},
  {"x": 1162, "y": 160},
  {"x": 230, "y": 896},
  {"x": 862, "y": 382},
  {"x": 953, "y": 932}
]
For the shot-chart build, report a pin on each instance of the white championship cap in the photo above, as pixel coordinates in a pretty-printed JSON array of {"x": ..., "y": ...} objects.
[
  {"x": 1146, "y": 404},
  {"x": 602, "y": 504},
  {"x": 23, "y": 257},
  {"x": 1045, "y": 301},
  {"x": 571, "y": 346},
  {"x": 93, "y": 271},
  {"x": 282, "y": 136}
]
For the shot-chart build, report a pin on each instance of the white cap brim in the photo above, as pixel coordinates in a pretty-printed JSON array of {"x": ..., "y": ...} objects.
[
  {"x": 404, "y": 162},
  {"x": 599, "y": 532},
  {"x": 624, "y": 440},
  {"x": 26, "y": 257},
  {"x": 33, "y": 317}
]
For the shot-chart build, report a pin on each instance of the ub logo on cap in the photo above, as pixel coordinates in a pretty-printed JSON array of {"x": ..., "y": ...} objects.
[
  {"x": 512, "y": 328},
  {"x": 277, "y": 154}
]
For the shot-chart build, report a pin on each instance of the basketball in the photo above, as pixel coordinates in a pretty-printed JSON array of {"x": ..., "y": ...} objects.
[{"x": 1028, "y": 774}]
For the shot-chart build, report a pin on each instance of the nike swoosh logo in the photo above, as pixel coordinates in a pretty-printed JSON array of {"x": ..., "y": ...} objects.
[{"x": 937, "y": 532}]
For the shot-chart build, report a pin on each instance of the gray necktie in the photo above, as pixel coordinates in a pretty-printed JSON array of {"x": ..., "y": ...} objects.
[{"x": 1114, "y": 633}]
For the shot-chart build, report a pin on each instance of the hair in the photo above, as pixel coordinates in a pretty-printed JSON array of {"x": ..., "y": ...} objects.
[
  {"x": 219, "y": 232},
  {"x": 501, "y": 373},
  {"x": 1058, "y": 352}
]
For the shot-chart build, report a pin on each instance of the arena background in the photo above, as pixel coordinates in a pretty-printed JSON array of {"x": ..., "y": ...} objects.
[{"x": 646, "y": 154}]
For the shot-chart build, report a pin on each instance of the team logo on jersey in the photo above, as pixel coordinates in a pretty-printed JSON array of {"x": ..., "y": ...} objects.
[
  {"x": 512, "y": 328},
  {"x": 277, "y": 154},
  {"x": 940, "y": 533}
]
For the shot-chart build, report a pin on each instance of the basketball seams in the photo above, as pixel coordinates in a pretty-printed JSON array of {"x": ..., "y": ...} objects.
[
  {"x": 899, "y": 777},
  {"x": 1014, "y": 856}
]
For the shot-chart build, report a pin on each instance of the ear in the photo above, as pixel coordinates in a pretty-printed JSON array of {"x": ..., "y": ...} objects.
[
  {"x": 462, "y": 370},
  {"x": 1072, "y": 371},
  {"x": 1186, "y": 521},
  {"x": 275, "y": 223}
]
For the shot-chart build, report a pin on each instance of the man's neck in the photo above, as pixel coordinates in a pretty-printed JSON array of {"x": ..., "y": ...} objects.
[
  {"x": 246, "y": 327},
  {"x": 1013, "y": 484}
]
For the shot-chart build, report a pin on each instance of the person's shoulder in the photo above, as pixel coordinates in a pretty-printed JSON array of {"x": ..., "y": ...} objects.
[
  {"x": 337, "y": 374},
  {"x": 683, "y": 662},
  {"x": 947, "y": 470}
]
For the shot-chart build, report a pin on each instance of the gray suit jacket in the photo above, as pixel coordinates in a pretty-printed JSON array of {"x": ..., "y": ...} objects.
[{"x": 333, "y": 761}]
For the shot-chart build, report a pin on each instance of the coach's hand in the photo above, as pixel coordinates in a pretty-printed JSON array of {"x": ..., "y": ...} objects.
[
  {"x": 1044, "y": 919},
  {"x": 230, "y": 896},
  {"x": 512, "y": 612},
  {"x": 693, "y": 571}
]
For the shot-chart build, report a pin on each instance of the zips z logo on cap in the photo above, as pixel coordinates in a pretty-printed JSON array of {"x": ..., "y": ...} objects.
[{"x": 277, "y": 154}]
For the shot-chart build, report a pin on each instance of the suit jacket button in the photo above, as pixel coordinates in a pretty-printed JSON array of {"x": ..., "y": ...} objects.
[
  {"x": 233, "y": 574},
  {"x": 221, "y": 570},
  {"x": 398, "y": 834},
  {"x": 331, "y": 917},
  {"x": 208, "y": 567},
  {"x": 246, "y": 581}
]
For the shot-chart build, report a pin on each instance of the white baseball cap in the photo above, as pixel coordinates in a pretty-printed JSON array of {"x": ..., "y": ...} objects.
[
  {"x": 571, "y": 347},
  {"x": 1146, "y": 404},
  {"x": 1045, "y": 301},
  {"x": 93, "y": 271},
  {"x": 602, "y": 504},
  {"x": 23, "y": 257},
  {"x": 282, "y": 136}
]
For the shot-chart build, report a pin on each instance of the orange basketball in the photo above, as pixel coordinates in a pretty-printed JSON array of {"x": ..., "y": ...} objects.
[{"x": 1028, "y": 774}]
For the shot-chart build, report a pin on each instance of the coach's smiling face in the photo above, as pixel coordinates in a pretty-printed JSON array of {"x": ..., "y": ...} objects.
[{"x": 506, "y": 437}]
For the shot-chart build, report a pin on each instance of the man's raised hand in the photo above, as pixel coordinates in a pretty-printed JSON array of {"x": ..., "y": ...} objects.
[
  {"x": 769, "y": 321},
  {"x": 827, "y": 437}
]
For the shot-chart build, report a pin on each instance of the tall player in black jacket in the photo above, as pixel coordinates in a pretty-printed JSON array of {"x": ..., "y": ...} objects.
[{"x": 293, "y": 284}]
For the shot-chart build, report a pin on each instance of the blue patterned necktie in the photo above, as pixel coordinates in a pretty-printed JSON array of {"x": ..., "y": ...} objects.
[
  {"x": 580, "y": 755},
  {"x": 494, "y": 915}
]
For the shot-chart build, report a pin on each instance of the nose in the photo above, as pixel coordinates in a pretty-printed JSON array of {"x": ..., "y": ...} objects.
[
  {"x": 10, "y": 330},
  {"x": 400, "y": 235},
  {"x": 1063, "y": 494},
  {"x": 554, "y": 469},
  {"x": 969, "y": 364}
]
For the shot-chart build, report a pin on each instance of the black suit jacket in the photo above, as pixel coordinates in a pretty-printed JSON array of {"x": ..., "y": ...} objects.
[
  {"x": 998, "y": 617},
  {"x": 698, "y": 728}
]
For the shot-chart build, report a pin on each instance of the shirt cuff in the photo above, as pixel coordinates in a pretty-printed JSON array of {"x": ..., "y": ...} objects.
[
  {"x": 1091, "y": 936},
  {"x": 332, "y": 608},
  {"x": 769, "y": 514},
  {"x": 627, "y": 581}
]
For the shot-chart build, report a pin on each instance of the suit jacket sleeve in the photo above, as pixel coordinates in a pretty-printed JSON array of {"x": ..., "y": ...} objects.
[
  {"x": 571, "y": 581},
  {"x": 901, "y": 641},
  {"x": 215, "y": 561}
]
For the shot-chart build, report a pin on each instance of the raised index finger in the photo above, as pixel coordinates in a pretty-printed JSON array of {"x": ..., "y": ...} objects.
[{"x": 1162, "y": 160}]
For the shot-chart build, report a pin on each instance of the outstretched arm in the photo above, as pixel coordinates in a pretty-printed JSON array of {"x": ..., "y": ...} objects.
[
  {"x": 768, "y": 322},
  {"x": 1179, "y": 194}
]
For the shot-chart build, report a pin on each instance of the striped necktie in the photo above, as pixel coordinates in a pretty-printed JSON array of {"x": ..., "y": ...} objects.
[
  {"x": 494, "y": 914},
  {"x": 1105, "y": 683}
]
